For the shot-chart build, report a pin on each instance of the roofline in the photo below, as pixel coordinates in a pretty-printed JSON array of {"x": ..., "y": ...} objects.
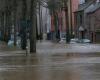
[
  {"x": 78, "y": 11},
  {"x": 91, "y": 2},
  {"x": 93, "y": 11}
]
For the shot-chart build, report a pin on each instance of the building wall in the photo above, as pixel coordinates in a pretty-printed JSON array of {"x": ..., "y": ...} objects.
[
  {"x": 74, "y": 4},
  {"x": 81, "y": 19},
  {"x": 94, "y": 24},
  {"x": 79, "y": 22}
]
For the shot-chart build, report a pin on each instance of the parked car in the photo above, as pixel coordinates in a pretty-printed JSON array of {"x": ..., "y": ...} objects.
[{"x": 76, "y": 40}]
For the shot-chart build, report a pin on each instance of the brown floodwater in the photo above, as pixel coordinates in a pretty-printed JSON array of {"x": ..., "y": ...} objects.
[{"x": 50, "y": 67}]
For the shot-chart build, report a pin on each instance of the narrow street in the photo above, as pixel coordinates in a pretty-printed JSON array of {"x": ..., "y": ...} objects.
[
  {"x": 49, "y": 39},
  {"x": 83, "y": 64}
]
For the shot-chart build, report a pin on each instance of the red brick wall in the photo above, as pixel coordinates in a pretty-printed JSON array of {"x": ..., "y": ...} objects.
[
  {"x": 95, "y": 26},
  {"x": 96, "y": 14},
  {"x": 52, "y": 23},
  {"x": 74, "y": 6}
]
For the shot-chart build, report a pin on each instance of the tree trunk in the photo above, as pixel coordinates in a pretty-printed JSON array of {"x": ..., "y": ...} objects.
[
  {"x": 67, "y": 21},
  {"x": 7, "y": 21},
  {"x": 40, "y": 22},
  {"x": 56, "y": 26},
  {"x": 33, "y": 27},
  {"x": 67, "y": 27},
  {"x": 14, "y": 21},
  {"x": 23, "y": 25},
  {"x": 2, "y": 26}
]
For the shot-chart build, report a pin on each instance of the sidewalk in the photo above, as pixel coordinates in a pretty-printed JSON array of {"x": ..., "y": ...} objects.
[{"x": 49, "y": 47}]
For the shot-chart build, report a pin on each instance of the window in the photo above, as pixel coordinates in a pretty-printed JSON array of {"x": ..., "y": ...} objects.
[
  {"x": 81, "y": 1},
  {"x": 81, "y": 19},
  {"x": 97, "y": 0}
]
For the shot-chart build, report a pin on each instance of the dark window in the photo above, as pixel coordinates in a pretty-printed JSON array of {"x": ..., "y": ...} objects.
[{"x": 81, "y": 19}]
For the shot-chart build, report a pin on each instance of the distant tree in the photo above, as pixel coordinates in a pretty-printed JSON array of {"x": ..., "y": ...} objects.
[{"x": 54, "y": 6}]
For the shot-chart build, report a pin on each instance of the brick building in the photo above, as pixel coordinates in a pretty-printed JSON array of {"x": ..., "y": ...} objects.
[
  {"x": 74, "y": 8},
  {"x": 80, "y": 17},
  {"x": 93, "y": 22},
  {"x": 87, "y": 17}
]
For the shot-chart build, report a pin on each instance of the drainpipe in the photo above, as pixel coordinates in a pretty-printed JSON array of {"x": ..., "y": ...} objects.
[{"x": 70, "y": 18}]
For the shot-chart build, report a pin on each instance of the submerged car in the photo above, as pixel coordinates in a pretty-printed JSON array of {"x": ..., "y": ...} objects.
[
  {"x": 11, "y": 43},
  {"x": 84, "y": 41},
  {"x": 76, "y": 40},
  {"x": 63, "y": 40}
]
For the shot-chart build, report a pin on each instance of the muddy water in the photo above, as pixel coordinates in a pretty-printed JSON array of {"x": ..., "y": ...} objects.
[{"x": 49, "y": 67}]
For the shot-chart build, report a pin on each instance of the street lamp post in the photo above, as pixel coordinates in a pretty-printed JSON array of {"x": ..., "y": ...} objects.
[{"x": 81, "y": 30}]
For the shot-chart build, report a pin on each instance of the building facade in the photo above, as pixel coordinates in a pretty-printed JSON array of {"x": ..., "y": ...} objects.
[
  {"x": 93, "y": 22},
  {"x": 87, "y": 20},
  {"x": 74, "y": 8},
  {"x": 80, "y": 18}
]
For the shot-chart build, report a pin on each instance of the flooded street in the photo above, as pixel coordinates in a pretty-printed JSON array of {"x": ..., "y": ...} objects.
[
  {"x": 50, "y": 64},
  {"x": 49, "y": 39},
  {"x": 49, "y": 67}
]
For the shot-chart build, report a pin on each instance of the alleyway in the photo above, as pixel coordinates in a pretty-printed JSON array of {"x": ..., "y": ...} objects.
[{"x": 52, "y": 62}]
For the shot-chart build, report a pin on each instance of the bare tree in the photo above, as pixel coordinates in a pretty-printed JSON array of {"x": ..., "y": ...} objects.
[
  {"x": 14, "y": 19},
  {"x": 54, "y": 6},
  {"x": 33, "y": 26},
  {"x": 23, "y": 24}
]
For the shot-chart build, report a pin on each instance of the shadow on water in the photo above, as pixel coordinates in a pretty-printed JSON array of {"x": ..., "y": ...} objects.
[{"x": 79, "y": 54}]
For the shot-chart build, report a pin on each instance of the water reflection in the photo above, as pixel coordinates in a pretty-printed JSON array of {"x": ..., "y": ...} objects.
[{"x": 49, "y": 67}]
